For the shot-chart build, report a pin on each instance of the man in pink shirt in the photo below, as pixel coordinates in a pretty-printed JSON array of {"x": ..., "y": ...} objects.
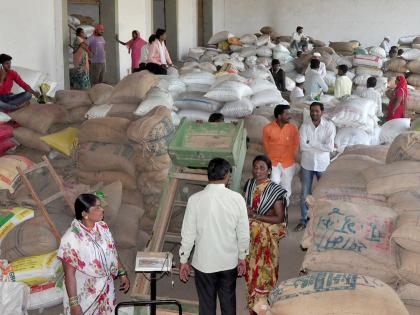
[{"x": 8, "y": 100}]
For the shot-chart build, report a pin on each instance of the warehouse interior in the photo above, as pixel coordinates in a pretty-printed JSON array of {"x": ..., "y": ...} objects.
[{"x": 116, "y": 114}]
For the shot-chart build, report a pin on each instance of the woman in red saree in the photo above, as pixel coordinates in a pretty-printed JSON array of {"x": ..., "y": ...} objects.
[
  {"x": 267, "y": 210},
  {"x": 398, "y": 103}
]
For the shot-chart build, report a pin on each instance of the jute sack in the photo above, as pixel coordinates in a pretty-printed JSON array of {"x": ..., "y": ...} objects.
[
  {"x": 405, "y": 147},
  {"x": 30, "y": 139},
  {"x": 266, "y": 30},
  {"x": 152, "y": 182},
  {"x": 409, "y": 266},
  {"x": 133, "y": 88},
  {"x": 301, "y": 63},
  {"x": 328, "y": 293},
  {"x": 72, "y": 98},
  {"x": 151, "y": 205},
  {"x": 413, "y": 310},
  {"x": 377, "y": 152},
  {"x": 343, "y": 46},
  {"x": 123, "y": 110},
  {"x": 126, "y": 227},
  {"x": 77, "y": 114},
  {"x": 410, "y": 294},
  {"x": 397, "y": 65},
  {"x": 414, "y": 79},
  {"x": 405, "y": 201},
  {"x": 157, "y": 124},
  {"x": 413, "y": 102},
  {"x": 340, "y": 179},
  {"x": 254, "y": 125},
  {"x": 414, "y": 66},
  {"x": 407, "y": 234},
  {"x": 155, "y": 163},
  {"x": 391, "y": 178},
  {"x": 252, "y": 151},
  {"x": 95, "y": 156},
  {"x": 352, "y": 237},
  {"x": 39, "y": 117},
  {"x": 100, "y": 93},
  {"x": 318, "y": 43},
  {"x": 133, "y": 197},
  {"x": 355, "y": 162},
  {"x": 92, "y": 178},
  {"x": 107, "y": 130}
]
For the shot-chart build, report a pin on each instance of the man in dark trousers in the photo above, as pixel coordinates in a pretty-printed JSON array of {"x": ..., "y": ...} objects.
[{"x": 278, "y": 75}]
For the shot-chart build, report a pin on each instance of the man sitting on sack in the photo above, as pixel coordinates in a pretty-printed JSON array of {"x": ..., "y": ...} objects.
[
  {"x": 8, "y": 100},
  {"x": 299, "y": 40}
]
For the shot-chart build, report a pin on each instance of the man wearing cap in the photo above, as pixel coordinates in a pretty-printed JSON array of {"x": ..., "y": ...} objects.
[
  {"x": 98, "y": 60},
  {"x": 322, "y": 68},
  {"x": 297, "y": 93},
  {"x": 314, "y": 84},
  {"x": 281, "y": 143},
  {"x": 343, "y": 84},
  {"x": 385, "y": 44},
  {"x": 8, "y": 100}
]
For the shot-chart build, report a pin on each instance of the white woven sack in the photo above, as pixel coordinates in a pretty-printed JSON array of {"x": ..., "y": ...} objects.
[
  {"x": 264, "y": 51},
  {"x": 251, "y": 60},
  {"x": 264, "y": 61},
  {"x": 248, "y": 51},
  {"x": 235, "y": 48},
  {"x": 411, "y": 54},
  {"x": 194, "y": 115},
  {"x": 248, "y": 39},
  {"x": 207, "y": 66},
  {"x": 237, "y": 56},
  {"x": 407, "y": 40},
  {"x": 256, "y": 72},
  {"x": 196, "y": 87},
  {"x": 350, "y": 136},
  {"x": 263, "y": 40},
  {"x": 176, "y": 86},
  {"x": 268, "y": 97},
  {"x": 196, "y": 101},
  {"x": 282, "y": 57},
  {"x": 196, "y": 53},
  {"x": 259, "y": 85},
  {"x": 330, "y": 78},
  {"x": 288, "y": 66},
  {"x": 361, "y": 79},
  {"x": 346, "y": 60},
  {"x": 228, "y": 77},
  {"x": 367, "y": 60},
  {"x": 378, "y": 51},
  {"x": 98, "y": 111},
  {"x": 229, "y": 91},
  {"x": 4, "y": 118},
  {"x": 220, "y": 37},
  {"x": 238, "y": 109},
  {"x": 290, "y": 84},
  {"x": 391, "y": 129},
  {"x": 202, "y": 77},
  {"x": 221, "y": 57},
  {"x": 281, "y": 49},
  {"x": 238, "y": 64},
  {"x": 155, "y": 97},
  {"x": 361, "y": 70}
]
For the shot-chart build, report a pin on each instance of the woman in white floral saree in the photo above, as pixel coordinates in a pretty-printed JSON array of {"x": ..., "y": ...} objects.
[{"x": 90, "y": 261}]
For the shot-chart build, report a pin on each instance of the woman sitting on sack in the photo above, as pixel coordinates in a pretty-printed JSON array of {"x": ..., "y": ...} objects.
[
  {"x": 90, "y": 261},
  {"x": 159, "y": 60},
  {"x": 267, "y": 211}
]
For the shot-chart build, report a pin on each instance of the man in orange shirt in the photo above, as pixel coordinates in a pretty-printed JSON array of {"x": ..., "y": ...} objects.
[{"x": 281, "y": 143}]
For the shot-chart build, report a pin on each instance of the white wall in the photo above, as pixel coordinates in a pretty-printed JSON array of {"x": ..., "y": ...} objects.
[
  {"x": 132, "y": 15},
  {"x": 31, "y": 32},
  {"x": 328, "y": 20},
  {"x": 187, "y": 26}
]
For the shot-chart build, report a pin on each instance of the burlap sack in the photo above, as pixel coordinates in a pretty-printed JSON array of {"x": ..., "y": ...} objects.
[
  {"x": 266, "y": 30},
  {"x": 254, "y": 125},
  {"x": 410, "y": 294},
  {"x": 92, "y": 178},
  {"x": 113, "y": 197},
  {"x": 301, "y": 63},
  {"x": 352, "y": 195},
  {"x": 327, "y": 293},
  {"x": 377, "y": 152},
  {"x": 409, "y": 266},
  {"x": 72, "y": 98},
  {"x": 155, "y": 163},
  {"x": 327, "y": 50},
  {"x": 407, "y": 234},
  {"x": 392, "y": 178},
  {"x": 405, "y": 201},
  {"x": 123, "y": 110},
  {"x": 96, "y": 156},
  {"x": 414, "y": 79},
  {"x": 352, "y": 237},
  {"x": 405, "y": 147},
  {"x": 318, "y": 43},
  {"x": 397, "y": 65},
  {"x": 343, "y": 46},
  {"x": 125, "y": 229},
  {"x": 133, "y": 197},
  {"x": 77, "y": 114},
  {"x": 100, "y": 93},
  {"x": 355, "y": 162},
  {"x": 413, "y": 102},
  {"x": 413, "y": 310},
  {"x": 151, "y": 205},
  {"x": 39, "y": 117},
  {"x": 30, "y": 139},
  {"x": 414, "y": 66},
  {"x": 133, "y": 88},
  {"x": 107, "y": 130},
  {"x": 253, "y": 150},
  {"x": 340, "y": 179},
  {"x": 156, "y": 125},
  {"x": 284, "y": 38},
  {"x": 152, "y": 182}
]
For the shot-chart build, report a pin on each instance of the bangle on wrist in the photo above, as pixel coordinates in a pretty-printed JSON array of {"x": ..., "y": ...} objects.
[
  {"x": 73, "y": 301},
  {"x": 121, "y": 272}
]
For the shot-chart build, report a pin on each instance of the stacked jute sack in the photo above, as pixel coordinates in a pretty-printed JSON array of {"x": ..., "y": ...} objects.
[{"x": 332, "y": 293}]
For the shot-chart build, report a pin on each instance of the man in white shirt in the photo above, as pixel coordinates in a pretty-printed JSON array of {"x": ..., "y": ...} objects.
[
  {"x": 299, "y": 40},
  {"x": 216, "y": 222},
  {"x": 316, "y": 142},
  {"x": 297, "y": 93},
  {"x": 372, "y": 94},
  {"x": 343, "y": 84},
  {"x": 385, "y": 44},
  {"x": 314, "y": 84},
  {"x": 322, "y": 68}
]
